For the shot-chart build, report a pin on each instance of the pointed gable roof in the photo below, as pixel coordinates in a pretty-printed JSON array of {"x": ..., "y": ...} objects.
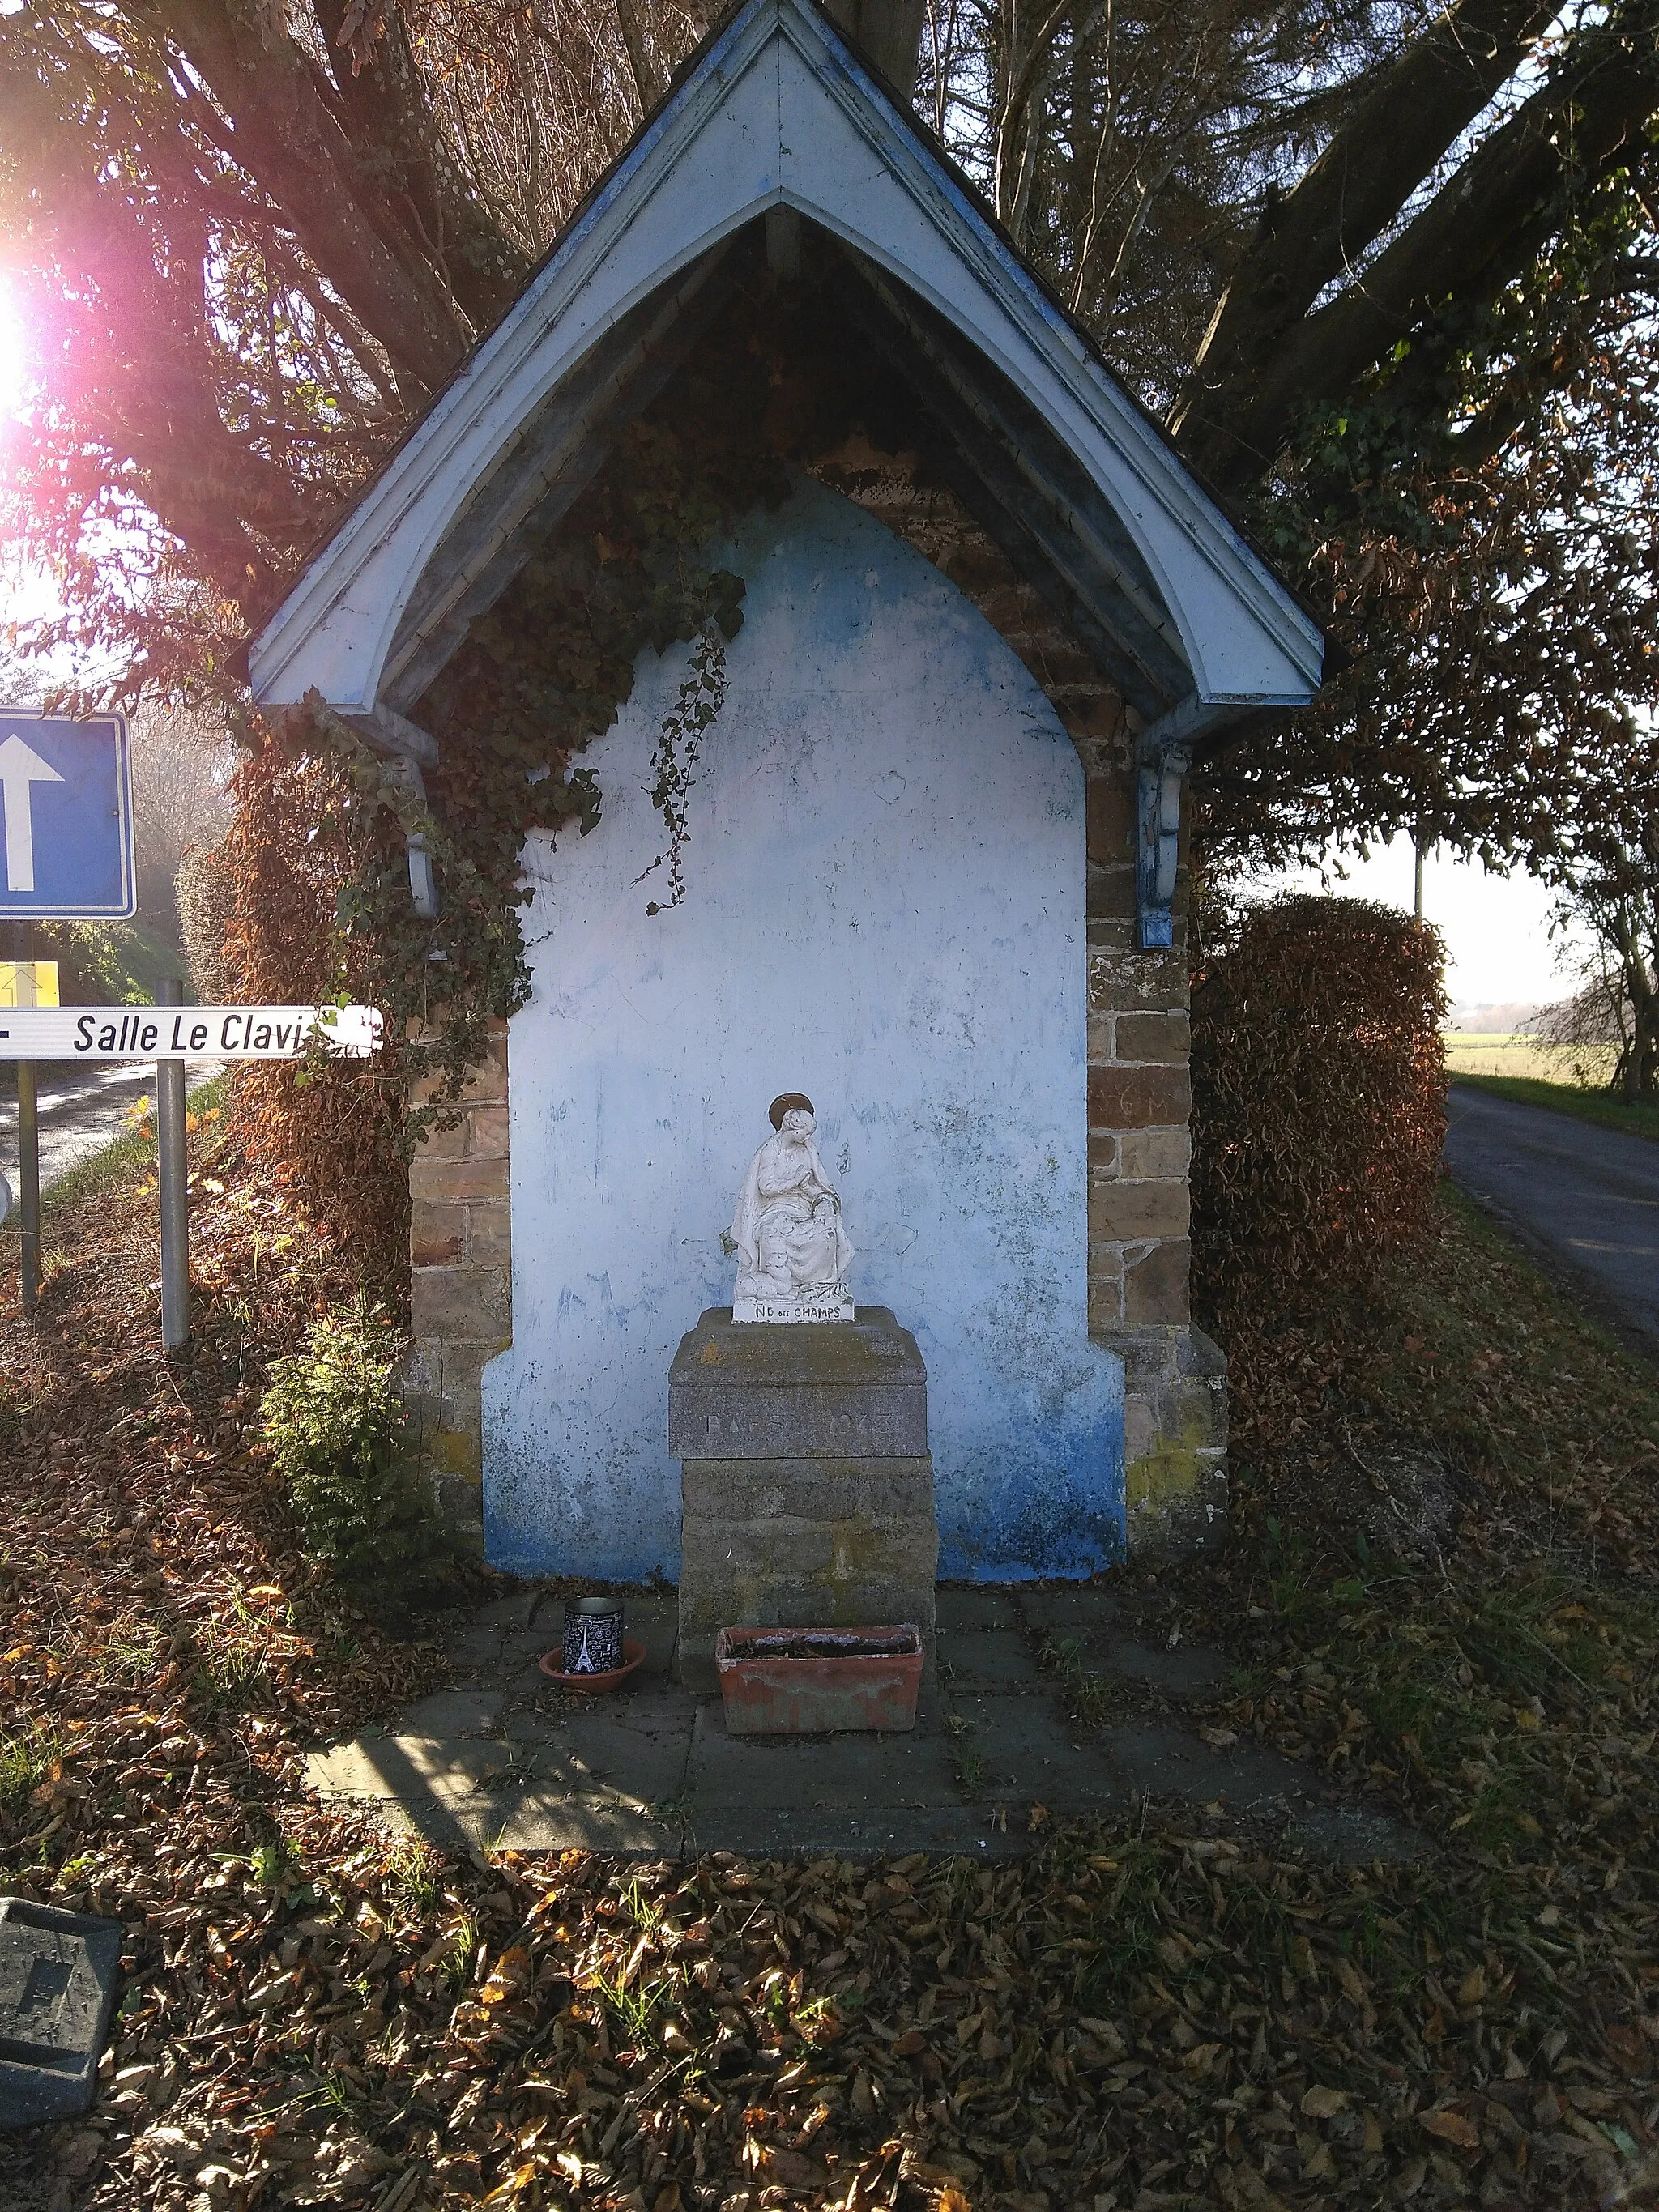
[{"x": 778, "y": 113}]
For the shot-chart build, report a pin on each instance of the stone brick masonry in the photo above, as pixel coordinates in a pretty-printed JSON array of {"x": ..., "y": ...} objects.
[{"x": 460, "y": 1279}]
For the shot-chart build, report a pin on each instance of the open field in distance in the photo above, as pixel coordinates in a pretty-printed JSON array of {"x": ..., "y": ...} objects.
[{"x": 1469, "y": 1053}]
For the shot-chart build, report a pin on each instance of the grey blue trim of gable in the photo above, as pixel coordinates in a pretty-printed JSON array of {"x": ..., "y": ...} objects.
[{"x": 779, "y": 112}]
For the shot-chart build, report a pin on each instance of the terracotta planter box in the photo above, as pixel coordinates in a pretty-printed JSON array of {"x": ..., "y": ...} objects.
[{"x": 837, "y": 1678}]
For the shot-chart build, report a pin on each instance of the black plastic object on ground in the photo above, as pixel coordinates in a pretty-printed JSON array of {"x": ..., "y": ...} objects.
[{"x": 58, "y": 1974}]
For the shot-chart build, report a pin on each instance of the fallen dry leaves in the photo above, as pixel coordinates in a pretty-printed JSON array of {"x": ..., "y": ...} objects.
[{"x": 1150, "y": 2014}]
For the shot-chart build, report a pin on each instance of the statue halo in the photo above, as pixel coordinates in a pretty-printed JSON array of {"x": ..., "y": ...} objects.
[{"x": 783, "y": 1104}]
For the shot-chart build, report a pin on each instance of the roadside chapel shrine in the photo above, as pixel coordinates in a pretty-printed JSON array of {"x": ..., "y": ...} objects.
[{"x": 913, "y": 851}]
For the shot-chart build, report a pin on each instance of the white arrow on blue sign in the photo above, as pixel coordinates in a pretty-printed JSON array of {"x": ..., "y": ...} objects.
[{"x": 66, "y": 814}]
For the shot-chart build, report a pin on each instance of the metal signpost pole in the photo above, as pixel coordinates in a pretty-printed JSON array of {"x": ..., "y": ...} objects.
[
  {"x": 174, "y": 1177},
  {"x": 28, "y": 1184},
  {"x": 29, "y": 1139}
]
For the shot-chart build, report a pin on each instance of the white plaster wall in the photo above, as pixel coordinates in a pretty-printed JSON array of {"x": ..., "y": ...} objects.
[{"x": 884, "y": 908}]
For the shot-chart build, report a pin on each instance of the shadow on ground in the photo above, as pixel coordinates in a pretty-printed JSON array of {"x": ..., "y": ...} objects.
[{"x": 508, "y": 1760}]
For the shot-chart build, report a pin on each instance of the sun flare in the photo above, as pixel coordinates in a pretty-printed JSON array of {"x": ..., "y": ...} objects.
[{"x": 14, "y": 354}]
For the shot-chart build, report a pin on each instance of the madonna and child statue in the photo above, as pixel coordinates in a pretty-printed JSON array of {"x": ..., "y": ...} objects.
[{"x": 792, "y": 1245}]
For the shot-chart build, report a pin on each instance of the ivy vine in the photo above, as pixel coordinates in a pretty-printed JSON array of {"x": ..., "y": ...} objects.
[
  {"x": 540, "y": 677},
  {"x": 679, "y": 748},
  {"x": 546, "y": 671}
]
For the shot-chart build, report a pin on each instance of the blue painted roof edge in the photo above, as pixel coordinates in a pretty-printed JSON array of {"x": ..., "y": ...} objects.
[{"x": 969, "y": 204}]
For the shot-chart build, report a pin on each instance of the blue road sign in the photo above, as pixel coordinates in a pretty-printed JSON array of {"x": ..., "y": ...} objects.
[{"x": 65, "y": 818}]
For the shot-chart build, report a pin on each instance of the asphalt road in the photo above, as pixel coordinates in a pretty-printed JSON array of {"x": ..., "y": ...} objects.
[
  {"x": 1584, "y": 1197},
  {"x": 81, "y": 1109}
]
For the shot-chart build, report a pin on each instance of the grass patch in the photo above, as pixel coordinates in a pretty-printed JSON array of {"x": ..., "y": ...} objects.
[
  {"x": 27, "y": 1759},
  {"x": 1634, "y": 1117},
  {"x": 1477, "y": 1052}
]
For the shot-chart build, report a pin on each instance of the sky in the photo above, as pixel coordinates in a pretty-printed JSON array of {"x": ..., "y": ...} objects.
[{"x": 1499, "y": 950}]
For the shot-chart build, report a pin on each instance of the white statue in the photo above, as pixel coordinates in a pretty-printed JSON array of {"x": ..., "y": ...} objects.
[{"x": 792, "y": 1245}]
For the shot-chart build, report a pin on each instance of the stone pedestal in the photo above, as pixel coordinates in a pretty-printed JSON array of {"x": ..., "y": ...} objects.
[{"x": 806, "y": 1484}]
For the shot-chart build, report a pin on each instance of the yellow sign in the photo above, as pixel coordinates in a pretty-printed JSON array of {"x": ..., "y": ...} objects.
[{"x": 29, "y": 982}]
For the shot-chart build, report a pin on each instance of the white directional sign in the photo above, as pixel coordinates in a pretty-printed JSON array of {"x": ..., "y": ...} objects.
[
  {"x": 20, "y": 768},
  {"x": 66, "y": 809},
  {"x": 69, "y": 1033}
]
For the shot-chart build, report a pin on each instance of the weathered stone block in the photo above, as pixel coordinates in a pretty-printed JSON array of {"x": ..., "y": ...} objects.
[
  {"x": 1158, "y": 1287},
  {"x": 827, "y": 1490},
  {"x": 490, "y": 1232},
  {"x": 1066, "y": 666},
  {"x": 1156, "y": 1154},
  {"x": 1111, "y": 820},
  {"x": 471, "y": 1302},
  {"x": 1138, "y": 1098},
  {"x": 1113, "y": 892},
  {"x": 437, "y": 1234},
  {"x": 1105, "y": 1304},
  {"x": 58, "y": 1974},
  {"x": 1000, "y": 604},
  {"x": 802, "y": 1551},
  {"x": 1153, "y": 1037},
  {"x": 1127, "y": 1210},
  {"x": 834, "y": 1390},
  {"x": 1104, "y": 1151},
  {"x": 777, "y": 1544},
  {"x": 439, "y": 1367},
  {"x": 487, "y": 1131},
  {"x": 1126, "y": 981},
  {"x": 1092, "y": 715},
  {"x": 1115, "y": 937},
  {"x": 442, "y": 1144},
  {"x": 1174, "y": 1422},
  {"x": 806, "y": 1488},
  {"x": 485, "y": 1083},
  {"x": 460, "y": 1500},
  {"x": 468, "y": 1177}
]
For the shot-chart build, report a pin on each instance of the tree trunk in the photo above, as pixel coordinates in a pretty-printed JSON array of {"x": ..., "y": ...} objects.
[{"x": 889, "y": 33}]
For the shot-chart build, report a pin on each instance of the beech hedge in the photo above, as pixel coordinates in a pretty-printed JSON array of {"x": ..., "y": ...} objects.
[{"x": 1318, "y": 1100}]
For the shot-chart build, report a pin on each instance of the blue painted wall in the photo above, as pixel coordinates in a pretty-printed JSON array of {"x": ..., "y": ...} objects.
[{"x": 884, "y": 908}]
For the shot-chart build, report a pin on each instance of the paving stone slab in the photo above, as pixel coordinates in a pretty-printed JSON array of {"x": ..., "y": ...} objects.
[
  {"x": 513, "y": 1762},
  {"x": 638, "y": 1765},
  {"x": 476, "y": 1648},
  {"x": 57, "y": 1974},
  {"x": 903, "y": 1773},
  {"x": 1167, "y": 1763},
  {"x": 513, "y": 1609},
  {"x": 881, "y": 1832},
  {"x": 659, "y": 1709},
  {"x": 991, "y": 1659},
  {"x": 535, "y": 1820},
  {"x": 1019, "y": 1750},
  {"x": 451, "y": 1712},
  {"x": 654, "y": 1621},
  {"x": 1191, "y": 1670},
  {"x": 1076, "y": 1608},
  {"x": 406, "y": 1767},
  {"x": 974, "y": 1608}
]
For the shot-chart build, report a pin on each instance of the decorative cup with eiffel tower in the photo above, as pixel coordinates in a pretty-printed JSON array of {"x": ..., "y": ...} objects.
[{"x": 593, "y": 1635}]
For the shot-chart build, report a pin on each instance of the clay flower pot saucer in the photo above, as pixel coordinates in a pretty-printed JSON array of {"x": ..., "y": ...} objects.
[{"x": 633, "y": 1653}]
